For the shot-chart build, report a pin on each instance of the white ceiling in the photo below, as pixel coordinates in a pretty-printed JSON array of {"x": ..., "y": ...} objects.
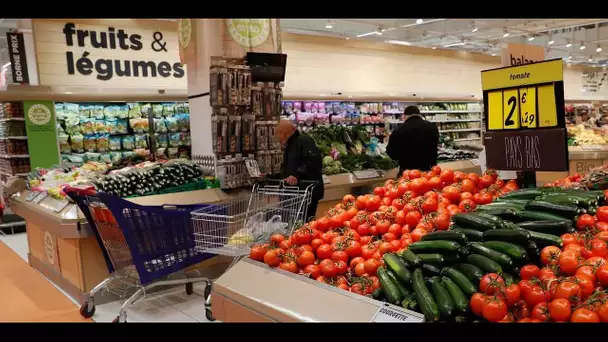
[{"x": 562, "y": 38}]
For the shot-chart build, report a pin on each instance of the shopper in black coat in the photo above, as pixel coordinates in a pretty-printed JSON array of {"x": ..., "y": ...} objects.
[
  {"x": 302, "y": 163},
  {"x": 414, "y": 143}
]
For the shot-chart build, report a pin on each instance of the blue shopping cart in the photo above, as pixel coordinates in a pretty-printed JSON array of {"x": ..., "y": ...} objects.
[{"x": 144, "y": 246}]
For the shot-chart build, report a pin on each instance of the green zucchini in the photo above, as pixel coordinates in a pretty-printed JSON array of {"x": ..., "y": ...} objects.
[
  {"x": 524, "y": 194},
  {"x": 442, "y": 297},
  {"x": 534, "y": 215},
  {"x": 533, "y": 251},
  {"x": 424, "y": 298},
  {"x": 517, "y": 236},
  {"x": 454, "y": 258},
  {"x": 398, "y": 267},
  {"x": 377, "y": 294},
  {"x": 430, "y": 270},
  {"x": 469, "y": 220},
  {"x": 484, "y": 263},
  {"x": 515, "y": 251},
  {"x": 438, "y": 246},
  {"x": 446, "y": 235},
  {"x": 471, "y": 234},
  {"x": 499, "y": 206},
  {"x": 411, "y": 258},
  {"x": 521, "y": 203},
  {"x": 471, "y": 271},
  {"x": 391, "y": 291},
  {"x": 497, "y": 220},
  {"x": 501, "y": 258},
  {"x": 579, "y": 201},
  {"x": 544, "y": 240},
  {"x": 402, "y": 289},
  {"x": 461, "y": 304},
  {"x": 460, "y": 279},
  {"x": 555, "y": 227},
  {"x": 568, "y": 211},
  {"x": 435, "y": 259},
  {"x": 502, "y": 213}
]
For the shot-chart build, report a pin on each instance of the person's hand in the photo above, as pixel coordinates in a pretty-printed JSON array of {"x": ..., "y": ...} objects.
[{"x": 291, "y": 180}]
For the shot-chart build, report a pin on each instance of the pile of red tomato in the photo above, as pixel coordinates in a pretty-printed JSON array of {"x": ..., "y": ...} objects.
[
  {"x": 570, "y": 286},
  {"x": 344, "y": 247}
]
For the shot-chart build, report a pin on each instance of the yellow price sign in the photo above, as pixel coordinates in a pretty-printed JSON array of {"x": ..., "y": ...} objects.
[
  {"x": 524, "y": 107},
  {"x": 522, "y": 96}
]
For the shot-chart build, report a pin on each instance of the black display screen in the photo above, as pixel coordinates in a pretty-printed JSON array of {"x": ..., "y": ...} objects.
[{"x": 267, "y": 67}]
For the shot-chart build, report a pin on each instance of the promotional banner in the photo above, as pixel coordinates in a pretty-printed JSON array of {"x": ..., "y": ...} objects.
[
  {"x": 16, "y": 48},
  {"x": 251, "y": 35},
  {"x": 41, "y": 133}
]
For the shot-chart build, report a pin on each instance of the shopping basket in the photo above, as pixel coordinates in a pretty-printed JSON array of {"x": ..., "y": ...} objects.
[
  {"x": 145, "y": 245},
  {"x": 231, "y": 227}
]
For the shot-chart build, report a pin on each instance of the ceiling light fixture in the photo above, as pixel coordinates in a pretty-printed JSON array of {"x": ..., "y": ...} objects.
[
  {"x": 570, "y": 57},
  {"x": 6, "y": 65},
  {"x": 505, "y": 33},
  {"x": 419, "y": 21},
  {"x": 475, "y": 29},
  {"x": 398, "y": 42},
  {"x": 599, "y": 48},
  {"x": 329, "y": 25},
  {"x": 551, "y": 41},
  {"x": 347, "y": 38},
  {"x": 493, "y": 54},
  {"x": 582, "y": 46},
  {"x": 454, "y": 44},
  {"x": 531, "y": 38},
  {"x": 569, "y": 45},
  {"x": 590, "y": 59},
  {"x": 434, "y": 48}
]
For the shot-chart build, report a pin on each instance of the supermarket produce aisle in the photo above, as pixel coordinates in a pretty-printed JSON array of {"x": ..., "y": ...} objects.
[{"x": 27, "y": 296}]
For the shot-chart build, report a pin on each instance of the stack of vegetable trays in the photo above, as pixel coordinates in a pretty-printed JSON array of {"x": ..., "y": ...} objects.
[{"x": 438, "y": 275}]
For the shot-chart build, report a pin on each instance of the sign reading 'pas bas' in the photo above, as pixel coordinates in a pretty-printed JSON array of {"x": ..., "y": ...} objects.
[{"x": 111, "y": 54}]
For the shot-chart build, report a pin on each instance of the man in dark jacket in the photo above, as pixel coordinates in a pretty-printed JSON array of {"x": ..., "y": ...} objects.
[
  {"x": 414, "y": 143},
  {"x": 302, "y": 163}
]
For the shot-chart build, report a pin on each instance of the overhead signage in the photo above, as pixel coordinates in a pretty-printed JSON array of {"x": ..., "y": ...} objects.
[
  {"x": 524, "y": 116},
  {"x": 17, "y": 57},
  {"x": 109, "y": 53}
]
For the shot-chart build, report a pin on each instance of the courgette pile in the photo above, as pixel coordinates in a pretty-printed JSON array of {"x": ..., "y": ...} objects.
[
  {"x": 438, "y": 275},
  {"x": 432, "y": 276},
  {"x": 148, "y": 180}
]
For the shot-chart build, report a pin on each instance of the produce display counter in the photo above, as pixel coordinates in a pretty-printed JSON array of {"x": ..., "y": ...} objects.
[
  {"x": 339, "y": 185},
  {"x": 63, "y": 247},
  {"x": 252, "y": 292},
  {"x": 582, "y": 159}
]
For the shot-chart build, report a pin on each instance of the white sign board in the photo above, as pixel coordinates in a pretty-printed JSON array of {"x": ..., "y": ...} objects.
[
  {"x": 392, "y": 314},
  {"x": 367, "y": 174},
  {"x": 127, "y": 53}
]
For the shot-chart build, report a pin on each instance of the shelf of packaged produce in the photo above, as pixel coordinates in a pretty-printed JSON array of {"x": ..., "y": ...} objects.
[
  {"x": 14, "y": 155},
  {"x": 460, "y": 130},
  {"x": 14, "y": 138},
  {"x": 437, "y": 121},
  {"x": 12, "y": 119}
]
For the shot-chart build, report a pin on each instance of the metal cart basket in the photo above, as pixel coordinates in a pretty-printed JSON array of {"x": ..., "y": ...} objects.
[
  {"x": 144, "y": 246},
  {"x": 231, "y": 227}
]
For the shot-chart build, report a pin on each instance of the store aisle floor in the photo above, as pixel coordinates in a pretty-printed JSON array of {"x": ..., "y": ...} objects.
[
  {"x": 172, "y": 305},
  {"x": 27, "y": 296}
]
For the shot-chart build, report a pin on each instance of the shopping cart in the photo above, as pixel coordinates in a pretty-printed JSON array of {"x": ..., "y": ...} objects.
[
  {"x": 231, "y": 227},
  {"x": 144, "y": 246}
]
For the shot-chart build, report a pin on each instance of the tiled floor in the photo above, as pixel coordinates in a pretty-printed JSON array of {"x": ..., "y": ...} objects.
[{"x": 172, "y": 305}]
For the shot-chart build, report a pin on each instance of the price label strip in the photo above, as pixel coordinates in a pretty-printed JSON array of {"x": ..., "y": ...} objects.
[
  {"x": 31, "y": 196},
  {"x": 366, "y": 174},
  {"x": 392, "y": 314},
  {"x": 40, "y": 197},
  {"x": 326, "y": 179}
]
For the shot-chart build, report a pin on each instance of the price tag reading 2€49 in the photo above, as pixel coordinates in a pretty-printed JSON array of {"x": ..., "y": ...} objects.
[{"x": 524, "y": 99}]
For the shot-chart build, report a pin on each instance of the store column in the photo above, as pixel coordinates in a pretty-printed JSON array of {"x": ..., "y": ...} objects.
[{"x": 200, "y": 39}]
